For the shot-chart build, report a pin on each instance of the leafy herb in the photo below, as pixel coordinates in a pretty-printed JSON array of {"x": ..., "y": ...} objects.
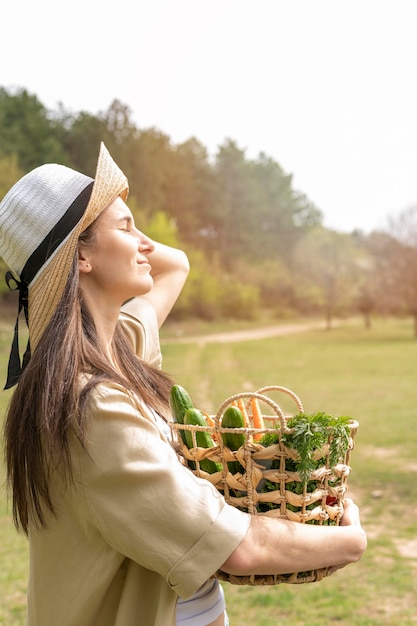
[
  {"x": 312, "y": 432},
  {"x": 269, "y": 439}
]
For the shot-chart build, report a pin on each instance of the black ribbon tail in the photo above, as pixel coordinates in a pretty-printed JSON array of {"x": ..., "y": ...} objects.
[{"x": 15, "y": 367}]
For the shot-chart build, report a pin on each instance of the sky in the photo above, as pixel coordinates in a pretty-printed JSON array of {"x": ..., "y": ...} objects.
[{"x": 326, "y": 88}]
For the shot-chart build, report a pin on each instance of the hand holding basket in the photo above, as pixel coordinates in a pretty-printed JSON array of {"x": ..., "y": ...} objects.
[{"x": 276, "y": 471}]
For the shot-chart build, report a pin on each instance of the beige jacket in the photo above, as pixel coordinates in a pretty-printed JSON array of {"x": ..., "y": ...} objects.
[{"x": 135, "y": 529}]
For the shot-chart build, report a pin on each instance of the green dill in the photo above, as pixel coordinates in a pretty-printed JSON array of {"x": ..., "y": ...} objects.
[
  {"x": 269, "y": 439},
  {"x": 308, "y": 434},
  {"x": 313, "y": 432}
]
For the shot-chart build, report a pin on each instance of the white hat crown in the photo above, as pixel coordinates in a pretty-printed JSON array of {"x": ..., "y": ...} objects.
[{"x": 32, "y": 208}]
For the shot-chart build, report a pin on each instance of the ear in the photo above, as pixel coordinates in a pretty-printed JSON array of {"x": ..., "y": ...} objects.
[{"x": 84, "y": 265}]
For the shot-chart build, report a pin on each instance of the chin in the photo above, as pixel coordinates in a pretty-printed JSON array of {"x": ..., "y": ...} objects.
[{"x": 144, "y": 289}]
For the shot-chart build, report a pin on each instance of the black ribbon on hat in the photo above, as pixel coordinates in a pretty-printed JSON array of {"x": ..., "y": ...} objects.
[
  {"x": 37, "y": 259},
  {"x": 15, "y": 368}
]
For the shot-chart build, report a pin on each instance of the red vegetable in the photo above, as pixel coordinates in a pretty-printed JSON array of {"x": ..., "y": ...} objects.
[{"x": 331, "y": 500}]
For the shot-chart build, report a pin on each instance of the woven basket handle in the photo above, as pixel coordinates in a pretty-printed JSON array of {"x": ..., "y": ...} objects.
[
  {"x": 290, "y": 393},
  {"x": 252, "y": 394}
]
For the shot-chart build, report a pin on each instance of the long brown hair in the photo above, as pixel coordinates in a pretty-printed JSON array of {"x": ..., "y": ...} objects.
[{"x": 49, "y": 404}]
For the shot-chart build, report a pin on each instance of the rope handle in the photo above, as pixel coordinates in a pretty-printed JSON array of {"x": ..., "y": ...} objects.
[
  {"x": 251, "y": 394},
  {"x": 285, "y": 390}
]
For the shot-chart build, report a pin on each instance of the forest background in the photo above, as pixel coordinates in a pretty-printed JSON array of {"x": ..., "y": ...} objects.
[{"x": 257, "y": 246}]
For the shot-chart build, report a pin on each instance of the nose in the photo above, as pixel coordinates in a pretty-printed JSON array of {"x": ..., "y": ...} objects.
[{"x": 146, "y": 245}]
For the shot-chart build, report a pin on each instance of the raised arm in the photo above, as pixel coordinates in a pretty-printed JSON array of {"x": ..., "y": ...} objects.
[
  {"x": 170, "y": 269},
  {"x": 277, "y": 546}
]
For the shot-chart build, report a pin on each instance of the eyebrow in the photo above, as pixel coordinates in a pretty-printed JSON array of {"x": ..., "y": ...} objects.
[{"x": 125, "y": 218}]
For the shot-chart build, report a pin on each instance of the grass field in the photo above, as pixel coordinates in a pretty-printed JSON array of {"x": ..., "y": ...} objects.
[{"x": 367, "y": 374}]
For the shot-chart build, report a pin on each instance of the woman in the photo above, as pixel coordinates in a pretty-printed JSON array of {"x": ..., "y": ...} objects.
[
  {"x": 118, "y": 528},
  {"x": 141, "y": 318}
]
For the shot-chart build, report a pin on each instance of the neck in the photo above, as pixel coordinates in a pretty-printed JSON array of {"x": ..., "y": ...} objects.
[
  {"x": 105, "y": 327},
  {"x": 105, "y": 316}
]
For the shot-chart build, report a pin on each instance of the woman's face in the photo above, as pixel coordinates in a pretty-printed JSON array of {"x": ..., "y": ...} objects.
[{"x": 115, "y": 266}]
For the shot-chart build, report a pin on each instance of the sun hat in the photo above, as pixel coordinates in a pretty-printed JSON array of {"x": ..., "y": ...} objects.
[{"x": 41, "y": 219}]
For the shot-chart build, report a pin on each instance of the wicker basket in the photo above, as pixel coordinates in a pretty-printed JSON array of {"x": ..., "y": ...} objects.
[{"x": 321, "y": 498}]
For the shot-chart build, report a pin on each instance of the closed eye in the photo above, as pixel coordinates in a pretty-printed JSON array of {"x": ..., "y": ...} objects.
[{"x": 126, "y": 223}]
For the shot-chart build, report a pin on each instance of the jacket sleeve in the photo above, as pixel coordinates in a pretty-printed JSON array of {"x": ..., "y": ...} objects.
[{"x": 146, "y": 504}]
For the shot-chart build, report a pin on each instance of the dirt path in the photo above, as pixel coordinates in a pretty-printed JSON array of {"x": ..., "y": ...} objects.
[{"x": 249, "y": 334}]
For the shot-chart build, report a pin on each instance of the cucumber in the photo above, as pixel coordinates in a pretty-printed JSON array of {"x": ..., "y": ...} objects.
[
  {"x": 180, "y": 402},
  {"x": 233, "y": 418},
  {"x": 203, "y": 439},
  {"x": 196, "y": 418}
]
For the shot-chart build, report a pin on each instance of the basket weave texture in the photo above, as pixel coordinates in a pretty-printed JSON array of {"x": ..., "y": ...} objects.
[{"x": 268, "y": 483}]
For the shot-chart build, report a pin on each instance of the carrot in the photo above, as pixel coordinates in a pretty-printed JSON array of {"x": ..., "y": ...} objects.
[
  {"x": 258, "y": 421},
  {"x": 209, "y": 419},
  {"x": 242, "y": 407},
  {"x": 210, "y": 422}
]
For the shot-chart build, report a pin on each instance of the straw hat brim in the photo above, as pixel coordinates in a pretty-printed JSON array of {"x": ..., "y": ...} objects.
[{"x": 48, "y": 285}]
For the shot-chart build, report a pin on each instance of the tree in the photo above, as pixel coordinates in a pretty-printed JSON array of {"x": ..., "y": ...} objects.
[
  {"x": 82, "y": 141},
  {"x": 327, "y": 259},
  {"x": 189, "y": 193},
  {"x": 119, "y": 124},
  {"x": 374, "y": 293},
  {"x": 27, "y": 131},
  {"x": 401, "y": 262},
  {"x": 281, "y": 215},
  {"x": 257, "y": 212},
  {"x": 272, "y": 279},
  {"x": 233, "y": 215},
  {"x": 9, "y": 174},
  {"x": 146, "y": 164}
]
